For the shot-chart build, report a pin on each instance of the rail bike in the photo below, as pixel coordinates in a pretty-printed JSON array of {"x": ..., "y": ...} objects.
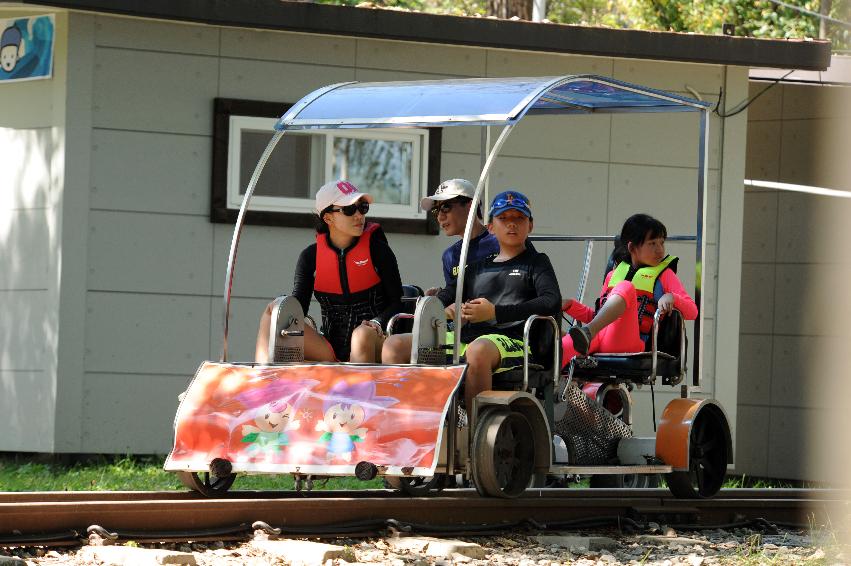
[{"x": 402, "y": 422}]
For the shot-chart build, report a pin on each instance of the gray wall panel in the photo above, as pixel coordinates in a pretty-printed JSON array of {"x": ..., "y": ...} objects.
[
  {"x": 577, "y": 183},
  {"x": 265, "y": 262},
  {"x": 25, "y": 251},
  {"x": 150, "y": 253},
  {"x": 752, "y": 442},
  {"x": 420, "y": 58},
  {"x": 25, "y": 175},
  {"x": 673, "y": 200},
  {"x": 27, "y": 330},
  {"x": 662, "y": 139},
  {"x": 503, "y": 63},
  {"x": 760, "y": 232},
  {"x": 755, "y": 369},
  {"x": 288, "y": 46},
  {"x": 757, "y": 298},
  {"x": 130, "y": 88},
  {"x": 275, "y": 81},
  {"x": 130, "y": 413},
  {"x": 242, "y": 331},
  {"x": 764, "y": 150},
  {"x": 580, "y": 138},
  {"x": 671, "y": 76},
  {"x": 155, "y": 35},
  {"x": 26, "y": 398},
  {"x": 151, "y": 172},
  {"x": 141, "y": 333}
]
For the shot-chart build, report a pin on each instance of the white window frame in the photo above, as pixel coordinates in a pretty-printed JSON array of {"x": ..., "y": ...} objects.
[{"x": 419, "y": 167}]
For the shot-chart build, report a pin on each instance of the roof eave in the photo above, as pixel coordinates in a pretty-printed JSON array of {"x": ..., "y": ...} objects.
[{"x": 310, "y": 17}]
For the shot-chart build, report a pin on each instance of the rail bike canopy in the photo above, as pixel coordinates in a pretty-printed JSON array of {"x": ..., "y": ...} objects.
[
  {"x": 483, "y": 102},
  {"x": 467, "y": 102}
]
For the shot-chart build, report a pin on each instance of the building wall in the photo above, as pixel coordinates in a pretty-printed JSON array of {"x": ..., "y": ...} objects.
[
  {"x": 155, "y": 265},
  {"x": 791, "y": 262},
  {"x": 32, "y": 147}
]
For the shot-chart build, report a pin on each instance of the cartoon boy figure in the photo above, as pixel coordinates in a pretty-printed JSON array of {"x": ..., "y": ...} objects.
[
  {"x": 274, "y": 409},
  {"x": 346, "y": 407},
  {"x": 10, "y": 48}
]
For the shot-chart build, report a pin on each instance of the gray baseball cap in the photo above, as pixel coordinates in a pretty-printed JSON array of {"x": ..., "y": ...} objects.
[{"x": 449, "y": 190}]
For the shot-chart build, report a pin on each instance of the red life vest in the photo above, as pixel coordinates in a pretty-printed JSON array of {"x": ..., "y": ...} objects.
[
  {"x": 359, "y": 274},
  {"x": 644, "y": 280}
]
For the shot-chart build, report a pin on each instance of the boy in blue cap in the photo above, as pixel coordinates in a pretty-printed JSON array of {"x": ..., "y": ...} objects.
[{"x": 500, "y": 293}]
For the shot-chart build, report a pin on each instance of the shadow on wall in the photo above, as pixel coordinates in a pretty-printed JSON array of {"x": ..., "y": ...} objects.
[
  {"x": 829, "y": 449},
  {"x": 28, "y": 326}
]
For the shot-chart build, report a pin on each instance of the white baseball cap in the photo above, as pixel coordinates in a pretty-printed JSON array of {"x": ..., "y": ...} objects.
[
  {"x": 339, "y": 192},
  {"x": 448, "y": 190}
]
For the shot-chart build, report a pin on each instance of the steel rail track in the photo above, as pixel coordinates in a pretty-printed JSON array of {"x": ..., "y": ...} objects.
[{"x": 36, "y": 517}]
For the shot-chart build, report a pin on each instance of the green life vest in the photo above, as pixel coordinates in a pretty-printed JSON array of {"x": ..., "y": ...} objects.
[{"x": 644, "y": 281}]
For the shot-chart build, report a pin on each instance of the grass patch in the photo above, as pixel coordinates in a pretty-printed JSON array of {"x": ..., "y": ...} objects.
[
  {"x": 769, "y": 483},
  {"x": 129, "y": 473}
]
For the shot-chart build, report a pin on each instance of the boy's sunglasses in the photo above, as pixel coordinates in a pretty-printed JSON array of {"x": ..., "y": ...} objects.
[
  {"x": 362, "y": 207},
  {"x": 446, "y": 206},
  {"x": 513, "y": 201}
]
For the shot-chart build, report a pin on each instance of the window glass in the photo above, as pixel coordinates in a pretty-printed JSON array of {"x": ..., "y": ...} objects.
[{"x": 382, "y": 167}]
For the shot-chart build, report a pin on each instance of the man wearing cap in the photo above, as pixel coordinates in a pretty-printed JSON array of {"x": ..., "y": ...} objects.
[
  {"x": 353, "y": 274},
  {"x": 500, "y": 293},
  {"x": 450, "y": 204}
]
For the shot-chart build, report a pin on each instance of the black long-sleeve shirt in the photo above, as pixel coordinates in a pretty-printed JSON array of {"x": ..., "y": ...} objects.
[{"x": 520, "y": 287}]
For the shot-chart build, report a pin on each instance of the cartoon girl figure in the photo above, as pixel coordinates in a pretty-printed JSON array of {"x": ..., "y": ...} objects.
[
  {"x": 273, "y": 408},
  {"x": 345, "y": 408}
]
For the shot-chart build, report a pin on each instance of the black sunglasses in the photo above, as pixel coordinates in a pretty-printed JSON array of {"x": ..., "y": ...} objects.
[
  {"x": 362, "y": 207},
  {"x": 447, "y": 205}
]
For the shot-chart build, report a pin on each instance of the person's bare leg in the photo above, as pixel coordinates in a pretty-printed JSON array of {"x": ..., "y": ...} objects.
[
  {"x": 482, "y": 359},
  {"x": 364, "y": 345},
  {"x": 613, "y": 308},
  {"x": 316, "y": 348},
  {"x": 397, "y": 349},
  {"x": 261, "y": 347}
]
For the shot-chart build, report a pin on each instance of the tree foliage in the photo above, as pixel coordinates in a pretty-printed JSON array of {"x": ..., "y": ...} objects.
[{"x": 751, "y": 18}]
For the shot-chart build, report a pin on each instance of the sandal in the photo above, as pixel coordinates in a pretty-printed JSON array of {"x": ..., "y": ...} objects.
[{"x": 581, "y": 337}]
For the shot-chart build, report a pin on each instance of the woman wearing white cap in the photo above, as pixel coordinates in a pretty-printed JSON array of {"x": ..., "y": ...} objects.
[{"x": 354, "y": 276}]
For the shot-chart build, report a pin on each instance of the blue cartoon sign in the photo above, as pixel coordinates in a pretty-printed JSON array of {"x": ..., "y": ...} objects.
[{"x": 26, "y": 48}]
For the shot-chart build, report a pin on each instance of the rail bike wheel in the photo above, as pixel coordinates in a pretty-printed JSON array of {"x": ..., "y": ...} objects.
[
  {"x": 417, "y": 486},
  {"x": 627, "y": 481},
  {"x": 206, "y": 483},
  {"x": 707, "y": 459},
  {"x": 503, "y": 454}
]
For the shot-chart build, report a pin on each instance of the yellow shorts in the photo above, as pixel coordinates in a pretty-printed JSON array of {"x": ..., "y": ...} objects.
[{"x": 510, "y": 349}]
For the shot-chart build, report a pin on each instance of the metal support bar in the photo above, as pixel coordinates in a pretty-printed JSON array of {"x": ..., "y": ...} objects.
[
  {"x": 700, "y": 249},
  {"x": 237, "y": 232},
  {"x": 468, "y": 231}
]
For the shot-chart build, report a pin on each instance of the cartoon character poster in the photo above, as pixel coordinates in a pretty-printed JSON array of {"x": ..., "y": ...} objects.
[
  {"x": 313, "y": 418},
  {"x": 26, "y": 48}
]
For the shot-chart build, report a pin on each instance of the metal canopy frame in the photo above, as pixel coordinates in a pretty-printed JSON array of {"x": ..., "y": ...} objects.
[{"x": 478, "y": 102}]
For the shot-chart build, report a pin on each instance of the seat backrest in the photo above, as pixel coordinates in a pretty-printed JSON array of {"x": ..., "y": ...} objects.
[
  {"x": 410, "y": 294},
  {"x": 669, "y": 334},
  {"x": 541, "y": 343}
]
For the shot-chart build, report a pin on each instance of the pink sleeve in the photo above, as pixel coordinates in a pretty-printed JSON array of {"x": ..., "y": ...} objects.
[
  {"x": 583, "y": 313},
  {"x": 682, "y": 300}
]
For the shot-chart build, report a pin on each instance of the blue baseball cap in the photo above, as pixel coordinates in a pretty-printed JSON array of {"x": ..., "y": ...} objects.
[{"x": 507, "y": 200}]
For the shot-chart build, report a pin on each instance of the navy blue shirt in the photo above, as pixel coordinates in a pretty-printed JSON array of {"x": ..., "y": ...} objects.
[{"x": 482, "y": 247}]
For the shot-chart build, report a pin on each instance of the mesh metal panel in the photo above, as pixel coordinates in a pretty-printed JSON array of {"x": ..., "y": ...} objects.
[
  {"x": 591, "y": 432},
  {"x": 284, "y": 354},
  {"x": 431, "y": 356}
]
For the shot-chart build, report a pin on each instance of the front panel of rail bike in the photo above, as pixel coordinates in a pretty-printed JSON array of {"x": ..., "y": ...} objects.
[{"x": 320, "y": 419}]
